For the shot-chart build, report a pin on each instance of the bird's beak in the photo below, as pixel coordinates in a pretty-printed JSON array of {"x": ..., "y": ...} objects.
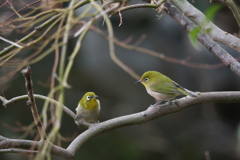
[
  {"x": 139, "y": 81},
  {"x": 95, "y": 96}
]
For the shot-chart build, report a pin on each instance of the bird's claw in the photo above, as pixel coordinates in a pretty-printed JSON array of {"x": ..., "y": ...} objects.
[
  {"x": 171, "y": 101},
  {"x": 77, "y": 117},
  {"x": 159, "y": 102}
]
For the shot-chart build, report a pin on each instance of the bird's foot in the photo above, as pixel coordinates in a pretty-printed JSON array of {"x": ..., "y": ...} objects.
[
  {"x": 77, "y": 117},
  {"x": 175, "y": 101},
  {"x": 151, "y": 106},
  {"x": 157, "y": 103},
  {"x": 171, "y": 101}
]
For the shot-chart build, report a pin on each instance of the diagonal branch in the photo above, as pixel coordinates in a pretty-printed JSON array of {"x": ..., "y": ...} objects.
[
  {"x": 213, "y": 31},
  {"x": 31, "y": 101},
  {"x": 203, "y": 38}
]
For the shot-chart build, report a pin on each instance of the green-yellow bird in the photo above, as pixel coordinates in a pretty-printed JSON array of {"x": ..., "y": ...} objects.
[
  {"x": 88, "y": 108},
  {"x": 161, "y": 87}
]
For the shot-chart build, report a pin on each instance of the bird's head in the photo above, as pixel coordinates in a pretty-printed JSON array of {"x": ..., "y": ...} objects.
[
  {"x": 89, "y": 101},
  {"x": 149, "y": 77}
]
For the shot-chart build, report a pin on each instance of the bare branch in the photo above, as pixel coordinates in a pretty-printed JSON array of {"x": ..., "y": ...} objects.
[
  {"x": 31, "y": 101},
  {"x": 152, "y": 113},
  {"x": 14, "y": 150},
  {"x": 212, "y": 46},
  {"x": 17, "y": 12},
  {"x": 6, "y": 143},
  {"x": 213, "y": 31},
  {"x": 162, "y": 56},
  {"x": 13, "y": 43},
  {"x": 65, "y": 109}
]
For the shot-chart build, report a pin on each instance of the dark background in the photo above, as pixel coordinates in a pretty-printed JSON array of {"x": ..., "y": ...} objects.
[{"x": 184, "y": 135}]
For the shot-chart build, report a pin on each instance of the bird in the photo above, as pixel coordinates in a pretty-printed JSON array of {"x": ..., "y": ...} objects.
[
  {"x": 88, "y": 108},
  {"x": 161, "y": 87}
]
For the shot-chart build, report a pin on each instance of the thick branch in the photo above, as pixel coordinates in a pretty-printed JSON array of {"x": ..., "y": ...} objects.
[
  {"x": 152, "y": 113},
  {"x": 212, "y": 46},
  {"x": 213, "y": 31},
  {"x": 31, "y": 101},
  {"x": 12, "y": 145}
]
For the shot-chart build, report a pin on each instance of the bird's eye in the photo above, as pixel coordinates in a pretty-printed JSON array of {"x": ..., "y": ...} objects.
[
  {"x": 146, "y": 79},
  {"x": 88, "y": 98}
]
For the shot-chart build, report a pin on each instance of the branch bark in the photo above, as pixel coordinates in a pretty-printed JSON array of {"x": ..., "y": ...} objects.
[
  {"x": 213, "y": 31},
  {"x": 203, "y": 38},
  {"x": 32, "y": 103},
  {"x": 152, "y": 113},
  {"x": 12, "y": 146}
]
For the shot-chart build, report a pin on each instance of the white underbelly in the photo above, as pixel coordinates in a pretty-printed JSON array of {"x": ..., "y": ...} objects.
[
  {"x": 90, "y": 116},
  {"x": 160, "y": 96}
]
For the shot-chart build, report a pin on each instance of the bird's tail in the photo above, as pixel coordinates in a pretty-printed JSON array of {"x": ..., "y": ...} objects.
[
  {"x": 188, "y": 93},
  {"x": 184, "y": 91}
]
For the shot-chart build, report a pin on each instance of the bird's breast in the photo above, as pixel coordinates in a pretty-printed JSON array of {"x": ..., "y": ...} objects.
[{"x": 160, "y": 96}]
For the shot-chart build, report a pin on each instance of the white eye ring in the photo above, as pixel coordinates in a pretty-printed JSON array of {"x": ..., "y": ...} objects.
[
  {"x": 88, "y": 98},
  {"x": 146, "y": 79}
]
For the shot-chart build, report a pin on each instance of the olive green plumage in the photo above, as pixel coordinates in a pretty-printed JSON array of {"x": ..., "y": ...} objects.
[
  {"x": 88, "y": 108},
  {"x": 161, "y": 87}
]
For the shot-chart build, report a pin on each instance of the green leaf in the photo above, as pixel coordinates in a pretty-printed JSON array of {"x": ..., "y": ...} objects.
[
  {"x": 212, "y": 10},
  {"x": 210, "y": 13},
  {"x": 193, "y": 37}
]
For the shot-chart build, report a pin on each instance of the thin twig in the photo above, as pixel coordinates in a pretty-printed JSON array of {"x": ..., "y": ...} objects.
[
  {"x": 233, "y": 7},
  {"x": 26, "y": 6},
  {"x": 31, "y": 34},
  {"x": 13, "y": 43},
  {"x": 31, "y": 102},
  {"x": 14, "y": 150},
  {"x": 207, "y": 155},
  {"x": 160, "y": 55},
  {"x": 65, "y": 109}
]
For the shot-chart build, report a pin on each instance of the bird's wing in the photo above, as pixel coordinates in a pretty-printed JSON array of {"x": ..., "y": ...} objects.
[{"x": 167, "y": 88}]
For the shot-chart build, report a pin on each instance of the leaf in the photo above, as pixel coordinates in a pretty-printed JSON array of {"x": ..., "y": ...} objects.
[
  {"x": 212, "y": 10},
  {"x": 193, "y": 37},
  {"x": 210, "y": 13}
]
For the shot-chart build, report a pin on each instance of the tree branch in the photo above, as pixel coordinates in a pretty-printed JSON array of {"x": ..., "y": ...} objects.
[
  {"x": 14, "y": 144},
  {"x": 213, "y": 31},
  {"x": 32, "y": 103},
  {"x": 65, "y": 109},
  {"x": 162, "y": 56},
  {"x": 203, "y": 38},
  {"x": 152, "y": 113},
  {"x": 133, "y": 119}
]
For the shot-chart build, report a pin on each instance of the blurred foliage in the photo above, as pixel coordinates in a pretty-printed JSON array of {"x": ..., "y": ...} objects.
[{"x": 210, "y": 14}]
